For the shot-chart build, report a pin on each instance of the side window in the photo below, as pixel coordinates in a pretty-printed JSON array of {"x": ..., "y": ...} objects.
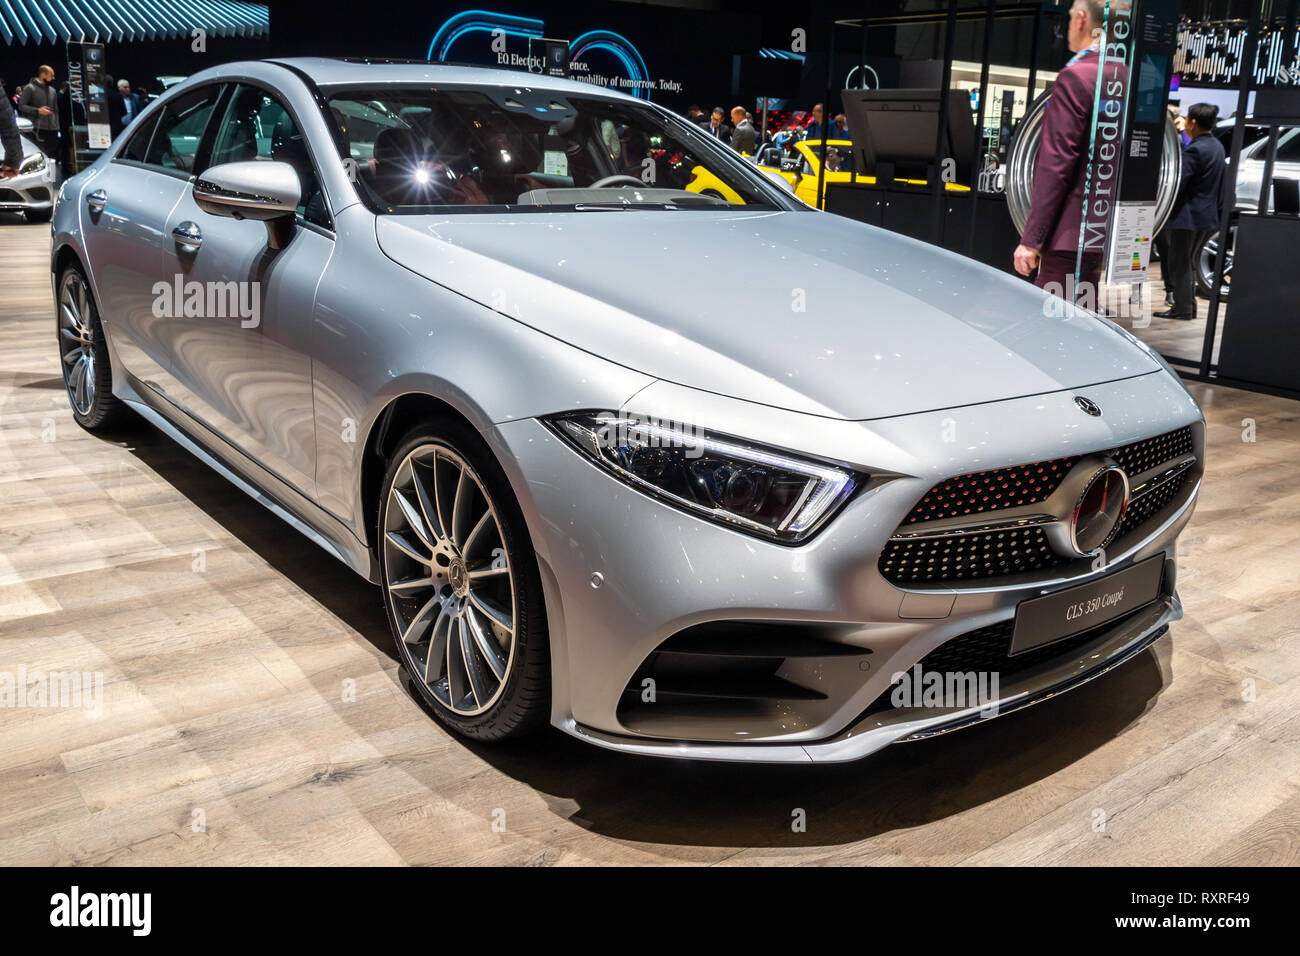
[
  {"x": 256, "y": 126},
  {"x": 180, "y": 130},
  {"x": 137, "y": 147}
]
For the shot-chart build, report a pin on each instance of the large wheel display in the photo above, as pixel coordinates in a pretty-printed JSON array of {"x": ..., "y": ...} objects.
[{"x": 1024, "y": 155}]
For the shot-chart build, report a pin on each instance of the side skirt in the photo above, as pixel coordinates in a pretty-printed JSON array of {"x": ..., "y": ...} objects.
[{"x": 286, "y": 503}]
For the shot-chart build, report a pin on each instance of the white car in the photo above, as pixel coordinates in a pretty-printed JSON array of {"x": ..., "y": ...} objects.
[
  {"x": 1286, "y": 165},
  {"x": 32, "y": 191}
]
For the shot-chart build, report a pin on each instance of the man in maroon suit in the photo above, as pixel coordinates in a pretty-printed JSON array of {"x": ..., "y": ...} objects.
[{"x": 1056, "y": 227}]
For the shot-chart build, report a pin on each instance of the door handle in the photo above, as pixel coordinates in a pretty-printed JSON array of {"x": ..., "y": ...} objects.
[
  {"x": 188, "y": 235},
  {"x": 97, "y": 200}
]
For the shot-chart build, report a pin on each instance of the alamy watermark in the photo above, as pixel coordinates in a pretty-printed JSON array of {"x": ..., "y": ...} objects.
[
  {"x": 53, "y": 689},
  {"x": 1113, "y": 301},
  {"x": 958, "y": 690},
  {"x": 615, "y": 429},
  {"x": 208, "y": 300}
]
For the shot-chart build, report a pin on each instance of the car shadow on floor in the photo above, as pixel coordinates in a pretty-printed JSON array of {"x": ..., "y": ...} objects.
[
  {"x": 309, "y": 567},
  {"x": 695, "y": 803},
  {"x": 674, "y": 802}
]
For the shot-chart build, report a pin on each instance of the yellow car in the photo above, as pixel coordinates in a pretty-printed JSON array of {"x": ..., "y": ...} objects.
[
  {"x": 706, "y": 184},
  {"x": 800, "y": 171}
]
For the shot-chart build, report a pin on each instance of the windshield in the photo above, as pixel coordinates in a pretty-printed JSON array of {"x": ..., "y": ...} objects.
[{"x": 419, "y": 150}]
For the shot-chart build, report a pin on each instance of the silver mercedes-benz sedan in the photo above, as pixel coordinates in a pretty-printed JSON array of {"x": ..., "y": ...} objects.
[{"x": 683, "y": 472}]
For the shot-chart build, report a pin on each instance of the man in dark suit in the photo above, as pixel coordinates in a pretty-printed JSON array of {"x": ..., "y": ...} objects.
[
  {"x": 813, "y": 132},
  {"x": 1051, "y": 238},
  {"x": 123, "y": 105},
  {"x": 1196, "y": 209},
  {"x": 40, "y": 104},
  {"x": 715, "y": 127},
  {"x": 744, "y": 138}
]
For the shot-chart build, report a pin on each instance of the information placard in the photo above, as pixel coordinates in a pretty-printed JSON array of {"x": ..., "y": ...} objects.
[{"x": 1130, "y": 242}]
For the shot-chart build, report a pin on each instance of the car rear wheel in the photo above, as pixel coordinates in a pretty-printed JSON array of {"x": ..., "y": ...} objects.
[
  {"x": 87, "y": 375},
  {"x": 461, "y": 585}
]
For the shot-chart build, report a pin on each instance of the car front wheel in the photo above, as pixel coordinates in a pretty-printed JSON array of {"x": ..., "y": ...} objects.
[{"x": 461, "y": 585}]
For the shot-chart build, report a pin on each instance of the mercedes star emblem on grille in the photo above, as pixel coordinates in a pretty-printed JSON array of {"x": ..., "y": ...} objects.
[
  {"x": 1099, "y": 511},
  {"x": 1088, "y": 405}
]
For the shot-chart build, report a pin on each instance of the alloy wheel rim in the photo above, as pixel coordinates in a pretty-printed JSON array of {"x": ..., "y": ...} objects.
[
  {"x": 448, "y": 580},
  {"x": 1208, "y": 261},
  {"x": 77, "y": 342}
]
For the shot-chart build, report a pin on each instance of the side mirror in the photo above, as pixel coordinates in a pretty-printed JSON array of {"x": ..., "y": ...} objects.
[{"x": 265, "y": 190}]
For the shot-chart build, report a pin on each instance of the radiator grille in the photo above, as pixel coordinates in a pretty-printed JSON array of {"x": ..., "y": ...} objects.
[
  {"x": 981, "y": 555},
  {"x": 968, "y": 557},
  {"x": 991, "y": 490}
]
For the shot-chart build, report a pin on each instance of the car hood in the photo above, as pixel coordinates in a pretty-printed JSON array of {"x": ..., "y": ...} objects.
[{"x": 800, "y": 310}]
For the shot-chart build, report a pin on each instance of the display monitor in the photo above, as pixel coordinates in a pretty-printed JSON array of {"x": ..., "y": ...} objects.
[{"x": 898, "y": 129}]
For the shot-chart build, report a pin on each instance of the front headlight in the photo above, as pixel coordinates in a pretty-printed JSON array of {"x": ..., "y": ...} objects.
[
  {"x": 32, "y": 164},
  {"x": 750, "y": 488}
]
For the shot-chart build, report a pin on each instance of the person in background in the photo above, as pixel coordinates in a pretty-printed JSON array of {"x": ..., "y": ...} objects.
[
  {"x": 13, "y": 146},
  {"x": 1179, "y": 123},
  {"x": 1161, "y": 241},
  {"x": 694, "y": 114},
  {"x": 744, "y": 139},
  {"x": 814, "y": 129},
  {"x": 123, "y": 106},
  {"x": 40, "y": 104},
  {"x": 784, "y": 137},
  {"x": 1196, "y": 207},
  {"x": 113, "y": 103},
  {"x": 840, "y": 127},
  {"x": 1051, "y": 237},
  {"x": 716, "y": 128}
]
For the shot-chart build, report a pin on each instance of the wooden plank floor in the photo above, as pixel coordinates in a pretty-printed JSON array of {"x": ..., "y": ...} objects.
[
  {"x": 224, "y": 694},
  {"x": 1172, "y": 337}
]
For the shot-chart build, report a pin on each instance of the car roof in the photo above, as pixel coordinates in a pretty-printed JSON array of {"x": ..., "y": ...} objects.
[{"x": 330, "y": 71}]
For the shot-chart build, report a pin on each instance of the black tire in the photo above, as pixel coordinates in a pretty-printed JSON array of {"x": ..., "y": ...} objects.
[
  {"x": 1203, "y": 258},
  {"x": 102, "y": 412},
  {"x": 39, "y": 215},
  {"x": 524, "y": 697}
]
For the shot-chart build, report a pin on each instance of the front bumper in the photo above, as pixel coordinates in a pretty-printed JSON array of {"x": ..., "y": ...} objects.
[
  {"x": 28, "y": 192},
  {"x": 665, "y": 574},
  {"x": 875, "y": 732}
]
